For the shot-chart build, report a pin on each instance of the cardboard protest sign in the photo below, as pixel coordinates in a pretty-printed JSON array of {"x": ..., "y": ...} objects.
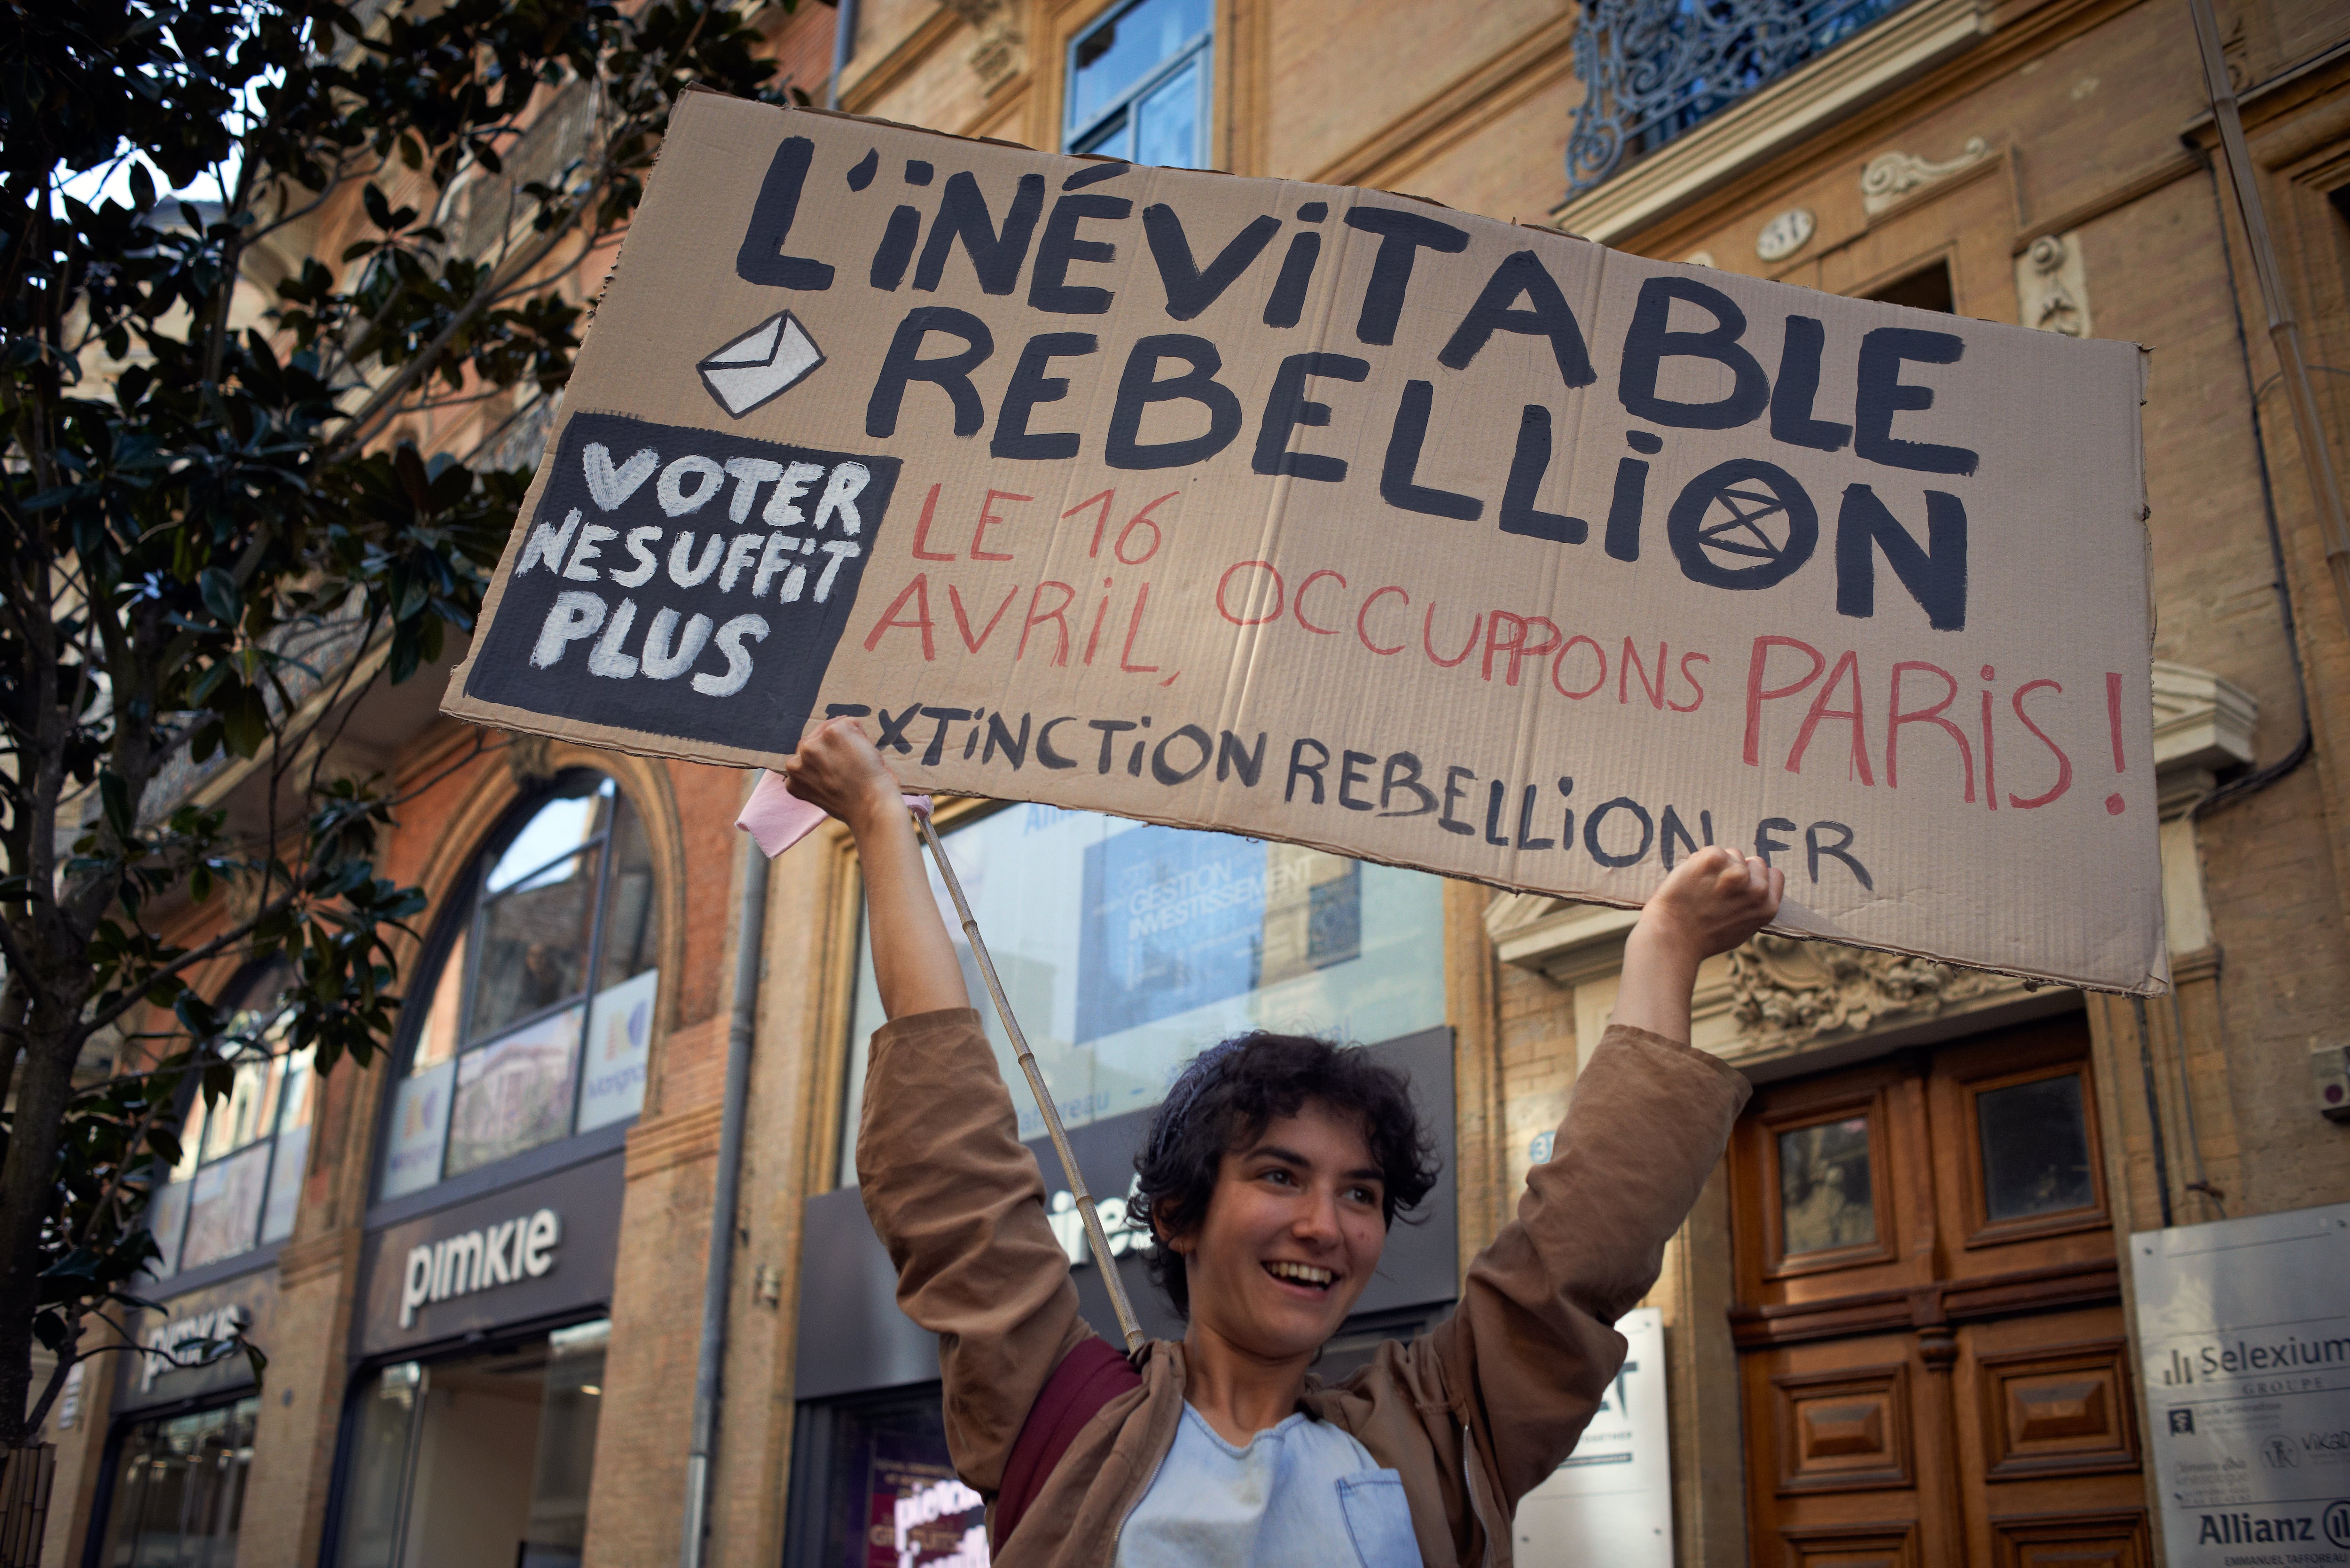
[{"x": 1339, "y": 517}]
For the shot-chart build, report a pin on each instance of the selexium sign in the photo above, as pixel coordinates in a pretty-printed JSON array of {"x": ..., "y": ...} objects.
[
  {"x": 2244, "y": 1327},
  {"x": 505, "y": 1253}
]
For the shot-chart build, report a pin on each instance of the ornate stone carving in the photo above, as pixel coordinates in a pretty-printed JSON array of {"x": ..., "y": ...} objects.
[
  {"x": 1891, "y": 176},
  {"x": 1786, "y": 993},
  {"x": 997, "y": 56},
  {"x": 1785, "y": 235},
  {"x": 2052, "y": 287}
]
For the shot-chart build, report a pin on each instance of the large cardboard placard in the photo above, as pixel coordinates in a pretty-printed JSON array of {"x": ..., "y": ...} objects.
[{"x": 1339, "y": 517}]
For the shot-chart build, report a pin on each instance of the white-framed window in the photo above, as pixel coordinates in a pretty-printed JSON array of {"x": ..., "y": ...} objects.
[
  {"x": 1140, "y": 84},
  {"x": 540, "y": 1016},
  {"x": 1126, "y": 948},
  {"x": 239, "y": 1177}
]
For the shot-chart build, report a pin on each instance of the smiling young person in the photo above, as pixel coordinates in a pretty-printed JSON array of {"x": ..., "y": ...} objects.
[{"x": 1273, "y": 1171}]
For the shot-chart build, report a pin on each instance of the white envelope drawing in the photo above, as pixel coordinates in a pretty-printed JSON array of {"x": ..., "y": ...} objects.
[{"x": 762, "y": 363}]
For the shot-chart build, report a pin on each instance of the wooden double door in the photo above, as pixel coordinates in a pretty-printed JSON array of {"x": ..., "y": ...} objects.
[{"x": 1934, "y": 1366}]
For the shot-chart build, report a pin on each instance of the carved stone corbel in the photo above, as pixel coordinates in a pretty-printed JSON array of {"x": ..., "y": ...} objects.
[
  {"x": 998, "y": 55},
  {"x": 1891, "y": 176},
  {"x": 2052, "y": 287}
]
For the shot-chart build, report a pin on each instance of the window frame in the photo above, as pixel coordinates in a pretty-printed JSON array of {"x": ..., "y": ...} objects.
[
  {"x": 454, "y": 930},
  {"x": 1868, "y": 1103},
  {"x": 1200, "y": 46},
  {"x": 1982, "y": 1230},
  {"x": 241, "y": 986}
]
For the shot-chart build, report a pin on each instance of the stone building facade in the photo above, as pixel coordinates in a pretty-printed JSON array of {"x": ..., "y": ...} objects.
[{"x": 1877, "y": 1347}]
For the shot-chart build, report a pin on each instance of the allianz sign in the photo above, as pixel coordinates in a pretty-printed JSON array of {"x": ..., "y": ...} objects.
[{"x": 502, "y": 1255}]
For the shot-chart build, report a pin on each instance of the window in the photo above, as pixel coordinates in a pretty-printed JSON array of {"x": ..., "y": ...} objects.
[
  {"x": 2036, "y": 1149},
  {"x": 239, "y": 1178},
  {"x": 480, "y": 1461},
  {"x": 540, "y": 1019},
  {"x": 1825, "y": 1198},
  {"x": 1139, "y": 84},
  {"x": 1653, "y": 69},
  {"x": 179, "y": 1489},
  {"x": 1126, "y": 948},
  {"x": 1929, "y": 288}
]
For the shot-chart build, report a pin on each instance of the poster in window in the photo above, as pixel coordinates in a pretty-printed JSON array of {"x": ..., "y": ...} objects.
[
  {"x": 516, "y": 1095},
  {"x": 620, "y": 1036},
  {"x": 1172, "y": 921},
  {"x": 419, "y": 1127},
  {"x": 165, "y": 1212},
  {"x": 225, "y": 1206}
]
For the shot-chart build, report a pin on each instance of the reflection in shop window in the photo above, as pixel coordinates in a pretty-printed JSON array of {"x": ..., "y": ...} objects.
[
  {"x": 1825, "y": 1198},
  {"x": 540, "y": 1020},
  {"x": 1128, "y": 947},
  {"x": 1139, "y": 84},
  {"x": 886, "y": 1493},
  {"x": 179, "y": 1489},
  {"x": 480, "y": 1461},
  {"x": 239, "y": 1176},
  {"x": 2036, "y": 1149}
]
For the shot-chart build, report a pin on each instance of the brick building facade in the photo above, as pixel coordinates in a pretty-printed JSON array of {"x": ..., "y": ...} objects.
[{"x": 1874, "y": 1351}]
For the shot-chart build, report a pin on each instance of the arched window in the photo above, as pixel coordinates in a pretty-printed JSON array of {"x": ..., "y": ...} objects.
[
  {"x": 240, "y": 1159},
  {"x": 541, "y": 1013}
]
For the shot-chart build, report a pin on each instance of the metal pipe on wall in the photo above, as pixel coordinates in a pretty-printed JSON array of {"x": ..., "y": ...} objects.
[
  {"x": 750, "y": 940},
  {"x": 843, "y": 45},
  {"x": 2285, "y": 332}
]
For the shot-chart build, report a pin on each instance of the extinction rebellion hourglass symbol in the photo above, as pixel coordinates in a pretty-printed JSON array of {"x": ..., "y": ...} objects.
[{"x": 1745, "y": 524}]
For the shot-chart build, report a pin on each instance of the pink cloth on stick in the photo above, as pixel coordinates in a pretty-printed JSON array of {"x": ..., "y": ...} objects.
[{"x": 778, "y": 819}]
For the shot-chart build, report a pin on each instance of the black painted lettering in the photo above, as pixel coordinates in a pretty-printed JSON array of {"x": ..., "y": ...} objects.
[
  {"x": 1936, "y": 575},
  {"x": 761, "y": 259},
  {"x": 1403, "y": 772},
  {"x": 1288, "y": 406},
  {"x": 904, "y": 363},
  {"x": 1139, "y": 387},
  {"x": 1232, "y": 757},
  {"x": 1522, "y": 276},
  {"x": 996, "y": 256},
  {"x": 1029, "y": 387},
  {"x": 1299, "y": 768},
  {"x": 1190, "y": 288},
  {"x": 1401, "y": 236},
  {"x": 1651, "y": 342},
  {"x": 1351, "y": 767},
  {"x": 1882, "y": 394},
  {"x": 1398, "y": 482},
  {"x": 1528, "y": 464},
  {"x": 1048, "y": 284},
  {"x": 1798, "y": 386}
]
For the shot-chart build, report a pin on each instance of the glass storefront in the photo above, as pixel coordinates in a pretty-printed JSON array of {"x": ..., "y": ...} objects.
[
  {"x": 479, "y": 1461},
  {"x": 1128, "y": 947},
  {"x": 179, "y": 1489},
  {"x": 541, "y": 1017}
]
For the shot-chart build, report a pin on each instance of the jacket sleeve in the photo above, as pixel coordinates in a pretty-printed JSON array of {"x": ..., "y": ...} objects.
[
  {"x": 960, "y": 1205},
  {"x": 1531, "y": 1348}
]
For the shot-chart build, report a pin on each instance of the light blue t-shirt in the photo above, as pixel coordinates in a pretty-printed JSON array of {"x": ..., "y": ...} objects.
[{"x": 1301, "y": 1492}]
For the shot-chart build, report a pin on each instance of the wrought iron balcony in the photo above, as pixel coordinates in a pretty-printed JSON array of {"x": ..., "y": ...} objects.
[{"x": 1652, "y": 69}]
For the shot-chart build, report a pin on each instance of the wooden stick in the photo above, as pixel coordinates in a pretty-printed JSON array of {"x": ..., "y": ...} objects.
[{"x": 1095, "y": 1236}]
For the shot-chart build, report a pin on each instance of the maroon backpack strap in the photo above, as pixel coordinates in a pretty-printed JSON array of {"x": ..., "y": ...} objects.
[{"x": 1087, "y": 1378}]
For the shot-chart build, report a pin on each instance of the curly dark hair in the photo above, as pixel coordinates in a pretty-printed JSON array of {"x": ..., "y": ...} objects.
[{"x": 1229, "y": 1094}]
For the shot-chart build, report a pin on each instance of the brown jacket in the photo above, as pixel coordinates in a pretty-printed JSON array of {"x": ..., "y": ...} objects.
[{"x": 1473, "y": 1414}]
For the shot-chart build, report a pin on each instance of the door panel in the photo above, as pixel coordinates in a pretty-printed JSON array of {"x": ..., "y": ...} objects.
[{"x": 1933, "y": 1362}]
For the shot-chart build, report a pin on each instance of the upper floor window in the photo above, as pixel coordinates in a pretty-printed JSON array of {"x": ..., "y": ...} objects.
[
  {"x": 1126, "y": 948},
  {"x": 242, "y": 1157},
  {"x": 1139, "y": 84},
  {"x": 1652, "y": 69},
  {"x": 541, "y": 1013}
]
